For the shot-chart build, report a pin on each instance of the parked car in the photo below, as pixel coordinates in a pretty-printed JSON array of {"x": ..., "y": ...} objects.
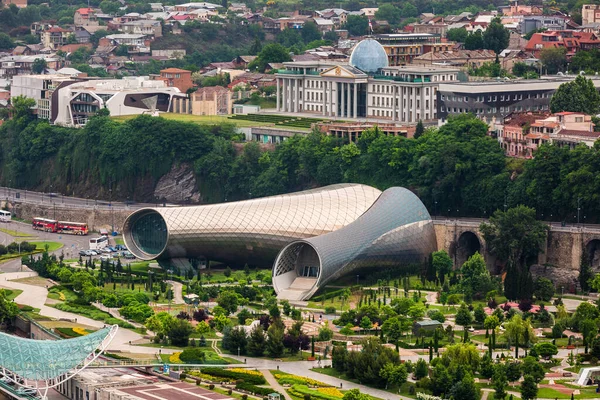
[
  {"x": 105, "y": 250},
  {"x": 93, "y": 253},
  {"x": 104, "y": 257},
  {"x": 83, "y": 253},
  {"x": 128, "y": 255},
  {"x": 120, "y": 247},
  {"x": 112, "y": 249}
]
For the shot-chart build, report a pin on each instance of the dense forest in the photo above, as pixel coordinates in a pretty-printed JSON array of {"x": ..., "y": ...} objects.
[{"x": 456, "y": 169}]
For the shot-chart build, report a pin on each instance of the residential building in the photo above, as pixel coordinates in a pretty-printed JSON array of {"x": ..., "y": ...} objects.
[
  {"x": 494, "y": 100},
  {"x": 55, "y": 37},
  {"x": 402, "y": 48},
  {"x": 176, "y": 77},
  {"x": 70, "y": 101},
  {"x": 515, "y": 127},
  {"x": 127, "y": 39},
  {"x": 548, "y": 22},
  {"x": 572, "y": 41},
  {"x": 143, "y": 27},
  {"x": 19, "y": 65},
  {"x": 456, "y": 58},
  {"x": 363, "y": 88},
  {"x": 18, "y": 3},
  {"x": 195, "y": 6},
  {"x": 590, "y": 14},
  {"x": 84, "y": 17},
  {"x": 435, "y": 29}
]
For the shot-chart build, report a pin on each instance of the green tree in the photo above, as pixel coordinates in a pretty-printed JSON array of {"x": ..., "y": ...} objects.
[
  {"x": 365, "y": 323},
  {"x": 546, "y": 349},
  {"x": 39, "y": 66},
  {"x": 543, "y": 289},
  {"x": 589, "y": 330},
  {"x": 519, "y": 332},
  {"x": 515, "y": 237},
  {"x": 499, "y": 382},
  {"x": 6, "y": 42},
  {"x": 8, "y": 309},
  {"x": 419, "y": 129},
  {"x": 271, "y": 53},
  {"x": 554, "y": 59},
  {"x": 464, "y": 317},
  {"x": 421, "y": 369},
  {"x": 579, "y": 95},
  {"x": 274, "y": 345},
  {"x": 474, "y": 41},
  {"x": 394, "y": 374},
  {"x": 457, "y": 35},
  {"x": 179, "y": 332},
  {"x": 355, "y": 394},
  {"x": 441, "y": 380},
  {"x": 388, "y": 12},
  {"x": 310, "y": 32},
  {"x": 229, "y": 300},
  {"x": 531, "y": 366},
  {"x": 110, "y": 7},
  {"x": 257, "y": 341},
  {"x": 496, "y": 36},
  {"x": 585, "y": 272},
  {"x": 357, "y": 25},
  {"x": 529, "y": 388},
  {"x": 465, "y": 389}
]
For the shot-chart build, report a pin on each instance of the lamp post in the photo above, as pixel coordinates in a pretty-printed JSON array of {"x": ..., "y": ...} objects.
[
  {"x": 238, "y": 351},
  {"x": 171, "y": 290},
  {"x": 578, "y": 208}
]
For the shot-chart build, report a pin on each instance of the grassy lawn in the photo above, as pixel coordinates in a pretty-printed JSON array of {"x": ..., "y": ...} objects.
[
  {"x": 11, "y": 294},
  {"x": 52, "y": 246},
  {"x": 403, "y": 390},
  {"x": 67, "y": 294},
  {"x": 547, "y": 393},
  {"x": 139, "y": 287},
  {"x": 33, "y": 280},
  {"x": 119, "y": 240},
  {"x": 16, "y": 233},
  {"x": 202, "y": 119}
]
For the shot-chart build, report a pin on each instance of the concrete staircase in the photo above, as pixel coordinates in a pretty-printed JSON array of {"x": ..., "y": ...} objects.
[{"x": 297, "y": 289}]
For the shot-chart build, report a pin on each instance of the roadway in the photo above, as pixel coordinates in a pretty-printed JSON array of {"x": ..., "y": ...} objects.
[{"x": 28, "y": 196}]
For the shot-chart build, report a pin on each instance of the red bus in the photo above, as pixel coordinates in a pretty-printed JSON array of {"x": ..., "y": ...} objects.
[
  {"x": 43, "y": 224},
  {"x": 72, "y": 228}
]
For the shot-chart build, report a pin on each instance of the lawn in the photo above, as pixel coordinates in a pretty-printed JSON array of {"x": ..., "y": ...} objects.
[
  {"x": 16, "y": 233},
  {"x": 201, "y": 119},
  {"x": 211, "y": 357},
  {"x": 547, "y": 393},
  {"x": 34, "y": 281},
  {"x": 139, "y": 287},
  {"x": 11, "y": 294},
  {"x": 52, "y": 246}
]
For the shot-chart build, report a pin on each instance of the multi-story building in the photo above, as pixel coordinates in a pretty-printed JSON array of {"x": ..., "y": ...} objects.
[
  {"x": 458, "y": 58},
  {"x": 363, "y": 88},
  {"x": 55, "y": 37},
  {"x": 143, "y": 27},
  {"x": 572, "y": 41},
  {"x": 70, "y": 101},
  {"x": 563, "y": 129},
  {"x": 19, "y": 65},
  {"x": 515, "y": 127},
  {"x": 494, "y": 100},
  {"x": 402, "y": 48},
  {"x": 351, "y": 131},
  {"x": 590, "y": 14},
  {"x": 85, "y": 17},
  {"x": 176, "y": 77},
  {"x": 548, "y": 22}
]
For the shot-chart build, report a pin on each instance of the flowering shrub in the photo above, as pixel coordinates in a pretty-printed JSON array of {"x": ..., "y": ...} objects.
[
  {"x": 295, "y": 379},
  {"x": 80, "y": 330},
  {"x": 330, "y": 391},
  {"x": 246, "y": 371},
  {"x": 174, "y": 358},
  {"x": 61, "y": 296}
]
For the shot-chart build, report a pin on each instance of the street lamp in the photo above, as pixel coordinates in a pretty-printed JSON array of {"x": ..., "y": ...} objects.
[
  {"x": 238, "y": 351},
  {"x": 578, "y": 208}
]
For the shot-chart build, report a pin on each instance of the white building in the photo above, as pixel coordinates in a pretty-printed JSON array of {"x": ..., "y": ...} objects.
[
  {"x": 71, "y": 101},
  {"x": 364, "y": 88}
]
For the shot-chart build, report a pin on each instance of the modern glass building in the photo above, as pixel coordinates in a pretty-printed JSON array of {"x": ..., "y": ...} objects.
[
  {"x": 313, "y": 236},
  {"x": 33, "y": 366}
]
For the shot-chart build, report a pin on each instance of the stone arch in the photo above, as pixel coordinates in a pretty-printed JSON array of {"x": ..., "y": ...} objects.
[
  {"x": 592, "y": 248},
  {"x": 468, "y": 243}
]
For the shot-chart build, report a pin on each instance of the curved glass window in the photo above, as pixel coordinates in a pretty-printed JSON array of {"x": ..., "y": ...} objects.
[{"x": 149, "y": 232}]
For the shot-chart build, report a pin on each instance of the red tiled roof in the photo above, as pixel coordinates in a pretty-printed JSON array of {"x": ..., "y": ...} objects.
[
  {"x": 85, "y": 11},
  {"x": 174, "y": 70},
  {"x": 572, "y": 132}
]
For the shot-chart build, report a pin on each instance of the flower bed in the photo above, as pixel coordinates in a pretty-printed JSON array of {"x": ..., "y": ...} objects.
[
  {"x": 233, "y": 375},
  {"x": 296, "y": 379},
  {"x": 301, "y": 390},
  {"x": 256, "y": 390},
  {"x": 174, "y": 358}
]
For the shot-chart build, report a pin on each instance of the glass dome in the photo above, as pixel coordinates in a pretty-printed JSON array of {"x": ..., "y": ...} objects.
[{"x": 369, "y": 56}]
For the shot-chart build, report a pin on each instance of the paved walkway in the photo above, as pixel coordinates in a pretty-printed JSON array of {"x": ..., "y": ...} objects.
[
  {"x": 177, "y": 292},
  {"x": 274, "y": 384}
]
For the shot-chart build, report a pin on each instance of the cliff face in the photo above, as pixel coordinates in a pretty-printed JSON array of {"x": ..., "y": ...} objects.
[{"x": 178, "y": 186}]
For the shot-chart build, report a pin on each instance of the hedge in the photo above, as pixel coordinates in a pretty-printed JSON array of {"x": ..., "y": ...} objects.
[
  {"x": 224, "y": 373},
  {"x": 257, "y": 390}
]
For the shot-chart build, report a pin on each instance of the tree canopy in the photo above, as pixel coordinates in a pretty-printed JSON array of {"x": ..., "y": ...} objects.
[{"x": 579, "y": 95}]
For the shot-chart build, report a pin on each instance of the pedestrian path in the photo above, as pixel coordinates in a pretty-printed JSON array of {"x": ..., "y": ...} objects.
[{"x": 274, "y": 384}]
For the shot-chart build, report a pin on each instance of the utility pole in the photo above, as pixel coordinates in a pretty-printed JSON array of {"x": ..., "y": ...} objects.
[{"x": 578, "y": 208}]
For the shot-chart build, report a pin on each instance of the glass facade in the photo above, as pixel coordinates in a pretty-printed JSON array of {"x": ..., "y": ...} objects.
[
  {"x": 396, "y": 231},
  {"x": 369, "y": 56},
  {"x": 149, "y": 233}
]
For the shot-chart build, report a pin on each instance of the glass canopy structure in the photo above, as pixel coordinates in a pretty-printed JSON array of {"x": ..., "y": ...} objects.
[{"x": 43, "y": 364}]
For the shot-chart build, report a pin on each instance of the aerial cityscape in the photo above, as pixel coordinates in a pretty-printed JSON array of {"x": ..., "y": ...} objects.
[{"x": 299, "y": 200}]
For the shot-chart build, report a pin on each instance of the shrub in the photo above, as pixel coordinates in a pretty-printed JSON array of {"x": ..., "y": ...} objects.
[
  {"x": 234, "y": 375},
  {"x": 182, "y": 376},
  {"x": 192, "y": 356},
  {"x": 244, "y": 397},
  {"x": 256, "y": 390},
  {"x": 229, "y": 392},
  {"x": 211, "y": 386},
  {"x": 330, "y": 310}
]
